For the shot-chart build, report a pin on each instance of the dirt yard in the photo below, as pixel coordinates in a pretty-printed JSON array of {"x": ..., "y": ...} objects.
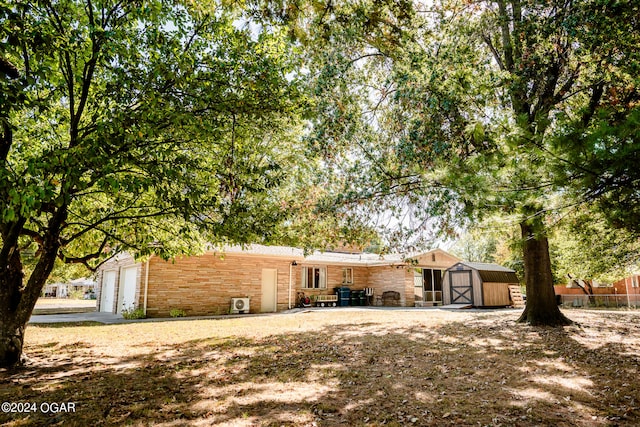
[{"x": 349, "y": 368}]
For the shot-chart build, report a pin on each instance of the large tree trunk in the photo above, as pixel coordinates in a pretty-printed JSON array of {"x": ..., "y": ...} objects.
[
  {"x": 11, "y": 341},
  {"x": 16, "y": 305},
  {"x": 541, "y": 308},
  {"x": 12, "y": 320},
  {"x": 17, "y": 298}
]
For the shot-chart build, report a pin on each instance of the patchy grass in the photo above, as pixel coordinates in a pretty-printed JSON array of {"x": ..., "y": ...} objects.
[{"x": 422, "y": 367}]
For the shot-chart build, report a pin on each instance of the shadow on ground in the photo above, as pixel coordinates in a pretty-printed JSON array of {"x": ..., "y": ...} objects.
[{"x": 488, "y": 371}]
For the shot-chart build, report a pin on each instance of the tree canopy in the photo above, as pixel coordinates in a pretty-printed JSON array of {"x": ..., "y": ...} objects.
[
  {"x": 144, "y": 126},
  {"x": 464, "y": 110}
]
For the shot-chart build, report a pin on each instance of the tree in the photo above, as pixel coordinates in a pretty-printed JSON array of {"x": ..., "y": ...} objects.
[
  {"x": 588, "y": 248},
  {"x": 476, "y": 246},
  {"x": 459, "y": 107},
  {"x": 145, "y": 126},
  {"x": 554, "y": 53}
]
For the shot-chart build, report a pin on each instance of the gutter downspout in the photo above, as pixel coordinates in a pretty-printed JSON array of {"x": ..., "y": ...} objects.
[
  {"x": 146, "y": 285},
  {"x": 626, "y": 287},
  {"x": 290, "y": 281}
]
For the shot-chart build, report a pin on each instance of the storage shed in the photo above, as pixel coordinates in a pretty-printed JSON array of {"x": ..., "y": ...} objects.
[{"x": 478, "y": 284}]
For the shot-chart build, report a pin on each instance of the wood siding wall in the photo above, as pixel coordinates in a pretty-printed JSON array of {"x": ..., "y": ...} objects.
[
  {"x": 496, "y": 294},
  {"x": 476, "y": 283}
]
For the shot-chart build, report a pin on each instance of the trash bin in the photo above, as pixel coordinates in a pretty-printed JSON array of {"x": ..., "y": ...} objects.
[
  {"x": 354, "y": 298},
  {"x": 362, "y": 298},
  {"x": 344, "y": 294}
]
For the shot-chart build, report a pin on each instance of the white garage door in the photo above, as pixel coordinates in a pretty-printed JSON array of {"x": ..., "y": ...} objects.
[
  {"x": 107, "y": 293},
  {"x": 128, "y": 280}
]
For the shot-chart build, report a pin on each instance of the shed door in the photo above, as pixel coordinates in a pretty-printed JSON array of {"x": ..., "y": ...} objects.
[
  {"x": 269, "y": 290},
  {"x": 461, "y": 287},
  {"x": 128, "y": 279},
  {"x": 107, "y": 293}
]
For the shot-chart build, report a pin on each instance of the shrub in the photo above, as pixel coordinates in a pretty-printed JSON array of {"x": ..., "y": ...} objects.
[
  {"x": 75, "y": 294},
  {"x": 130, "y": 313},
  {"x": 177, "y": 312}
]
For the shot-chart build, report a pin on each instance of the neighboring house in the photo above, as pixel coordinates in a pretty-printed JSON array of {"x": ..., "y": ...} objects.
[
  {"x": 55, "y": 290},
  {"x": 585, "y": 287},
  {"x": 629, "y": 285},
  {"x": 578, "y": 293},
  {"x": 82, "y": 287},
  {"x": 269, "y": 276},
  {"x": 478, "y": 284}
]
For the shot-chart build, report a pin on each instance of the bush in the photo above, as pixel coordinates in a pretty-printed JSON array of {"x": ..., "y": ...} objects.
[
  {"x": 130, "y": 313},
  {"x": 177, "y": 312},
  {"x": 75, "y": 294}
]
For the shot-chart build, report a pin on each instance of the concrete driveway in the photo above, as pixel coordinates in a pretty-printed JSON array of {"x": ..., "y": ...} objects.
[{"x": 94, "y": 316}]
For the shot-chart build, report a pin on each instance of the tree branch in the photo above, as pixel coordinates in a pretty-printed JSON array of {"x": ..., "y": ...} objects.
[
  {"x": 494, "y": 51},
  {"x": 506, "y": 35},
  {"x": 85, "y": 259}
]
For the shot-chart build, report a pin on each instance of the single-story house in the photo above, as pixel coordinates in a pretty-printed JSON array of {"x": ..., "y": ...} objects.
[
  {"x": 629, "y": 285},
  {"x": 266, "y": 278},
  {"x": 623, "y": 292},
  {"x": 478, "y": 284},
  {"x": 83, "y": 287}
]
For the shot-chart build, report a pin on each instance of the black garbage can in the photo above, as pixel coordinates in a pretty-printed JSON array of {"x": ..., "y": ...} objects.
[
  {"x": 344, "y": 294},
  {"x": 354, "y": 299},
  {"x": 362, "y": 298}
]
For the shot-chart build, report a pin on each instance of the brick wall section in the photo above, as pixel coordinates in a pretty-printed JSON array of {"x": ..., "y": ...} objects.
[
  {"x": 622, "y": 286},
  {"x": 625, "y": 285},
  {"x": 563, "y": 290},
  {"x": 392, "y": 278},
  {"x": 409, "y": 284},
  {"x": 204, "y": 285}
]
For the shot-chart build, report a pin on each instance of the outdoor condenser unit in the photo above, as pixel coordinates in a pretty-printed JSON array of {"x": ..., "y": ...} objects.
[{"x": 239, "y": 305}]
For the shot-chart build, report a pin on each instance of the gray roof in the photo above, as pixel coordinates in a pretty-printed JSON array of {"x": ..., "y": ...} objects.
[
  {"x": 364, "y": 259},
  {"x": 484, "y": 266},
  {"x": 317, "y": 257},
  {"x": 490, "y": 272},
  {"x": 283, "y": 251}
]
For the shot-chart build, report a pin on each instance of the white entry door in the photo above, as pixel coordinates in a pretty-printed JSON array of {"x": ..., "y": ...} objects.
[
  {"x": 127, "y": 294},
  {"x": 269, "y": 290},
  {"x": 107, "y": 293}
]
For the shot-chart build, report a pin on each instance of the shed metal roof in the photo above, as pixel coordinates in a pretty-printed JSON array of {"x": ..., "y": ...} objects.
[{"x": 498, "y": 276}]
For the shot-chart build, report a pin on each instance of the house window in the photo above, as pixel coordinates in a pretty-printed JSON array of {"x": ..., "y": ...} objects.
[
  {"x": 314, "y": 277},
  {"x": 347, "y": 276},
  {"x": 634, "y": 281}
]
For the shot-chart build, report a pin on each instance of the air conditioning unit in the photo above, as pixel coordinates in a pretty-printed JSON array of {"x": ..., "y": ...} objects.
[{"x": 239, "y": 305}]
